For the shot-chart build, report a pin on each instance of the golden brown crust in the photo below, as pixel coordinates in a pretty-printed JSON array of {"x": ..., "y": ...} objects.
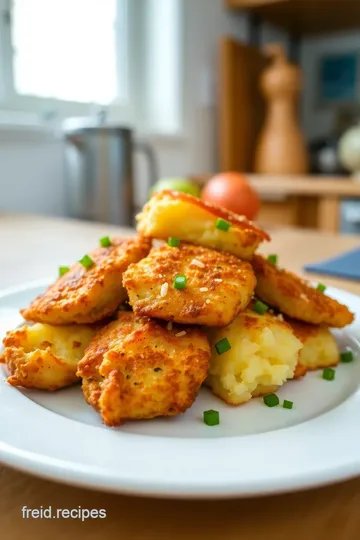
[
  {"x": 89, "y": 295},
  {"x": 295, "y": 297},
  {"x": 45, "y": 357},
  {"x": 300, "y": 370},
  {"x": 136, "y": 368},
  {"x": 218, "y": 285},
  {"x": 263, "y": 390},
  {"x": 180, "y": 215}
]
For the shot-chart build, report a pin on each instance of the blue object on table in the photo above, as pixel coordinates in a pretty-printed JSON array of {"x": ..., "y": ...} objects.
[{"x": 345, "y": 266}]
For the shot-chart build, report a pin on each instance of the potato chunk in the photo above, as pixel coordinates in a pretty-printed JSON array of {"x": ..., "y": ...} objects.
[
  {"x": 170, "y": 213},
  {"x": 137, "y": 368},
  {"x": 45, "y": 357},
  {"x": 319, "y": 345},
  {"x": 87, "y": 295},
  {"x": 296, "y": 297},
  {"x": 218, "y": 285},
  {"x": 263, "y": 355}
]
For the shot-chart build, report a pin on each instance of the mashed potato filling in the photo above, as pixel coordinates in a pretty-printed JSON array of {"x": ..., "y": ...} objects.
[{"x": 264, "y": 352}]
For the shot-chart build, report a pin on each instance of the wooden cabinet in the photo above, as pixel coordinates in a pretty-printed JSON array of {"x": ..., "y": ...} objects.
[
  {"x": 305, "y": 16},
  {"x": 241, "y": 106}
]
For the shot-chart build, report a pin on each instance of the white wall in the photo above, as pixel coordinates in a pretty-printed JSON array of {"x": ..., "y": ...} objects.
[
  {"x": 31, "y": 173},
  {"x": 205, "y": 22},
  {"x": 317, "y": 121}
]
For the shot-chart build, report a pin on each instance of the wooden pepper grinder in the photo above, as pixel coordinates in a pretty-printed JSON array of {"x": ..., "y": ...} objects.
[{"x": 281, "y": 147}]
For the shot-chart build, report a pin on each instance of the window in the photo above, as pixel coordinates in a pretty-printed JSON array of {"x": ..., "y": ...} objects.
[
  {"x": 63, "y": 58},
  {"x": 65, "y": 49},
  {"x": 66, "y": 58}
]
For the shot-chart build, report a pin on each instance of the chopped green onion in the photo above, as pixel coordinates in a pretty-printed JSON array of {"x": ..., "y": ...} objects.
[
  {"x": 173, "y": 242},
  {"x": 222, "y": 225},
  {"x": 347, "y": 357},
  {"x": 271, "y": 400},
  {"x": 288, "y": 404},
  {"x": 105, "y": 241},
  {"x": 211, "y": 417},
  {"x": 180, "y": 282},
  {"x": 63, "y": 270},
  {"x": 321, "y": 287},
  {"x": 273, "y": 259},
  {"x": 328, "y": 374},
  {"x": 86, "y": 261},
  {"x": 259, "y": 307},
  {"x": 222, "y": 346}
]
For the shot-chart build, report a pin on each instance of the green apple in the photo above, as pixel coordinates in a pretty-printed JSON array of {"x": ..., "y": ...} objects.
[{"x": 177, "y": 184}]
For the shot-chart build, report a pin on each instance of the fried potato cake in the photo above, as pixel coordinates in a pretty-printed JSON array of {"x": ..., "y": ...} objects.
[
  {"x": 138, "y": 368},
  {"x": 295, "y": 297},
  {"x": 252, "y": 356},
  {"x": 319, "y": 345},
  {"x": 218, "y": 285},
  {"x": 87, "y": 295},
  {"x": 173, "y": 214},
  {"x": 45, "y": 357}
]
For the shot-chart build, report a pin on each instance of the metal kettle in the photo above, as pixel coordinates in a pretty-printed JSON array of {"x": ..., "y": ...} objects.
[{"x": 99, "y": 179}]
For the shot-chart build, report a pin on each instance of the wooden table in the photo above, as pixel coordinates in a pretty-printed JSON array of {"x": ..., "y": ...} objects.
[{"x": 33, "y": 248}]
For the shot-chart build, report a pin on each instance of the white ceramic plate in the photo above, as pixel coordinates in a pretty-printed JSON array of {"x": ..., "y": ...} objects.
[{"x": 255, "y": 449}]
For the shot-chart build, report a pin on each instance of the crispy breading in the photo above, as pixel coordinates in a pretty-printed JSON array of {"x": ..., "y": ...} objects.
[
  {"x": 137, "y": 368},
  {"x": 263, "y": 355},
  {"x": 300, "y": 369},
  {"x": 262, "y": 390},
  {"x": 296, "y": 297},
  {"x": 45, "y": 357},
  {"x": 218, "y": 285},
  {"x": 319, "y": 345},
  {"x": 87, "y": 295},
  {"x": 180, "y": 215}
]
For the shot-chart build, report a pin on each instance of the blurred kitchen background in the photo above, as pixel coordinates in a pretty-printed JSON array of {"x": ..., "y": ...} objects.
[{"x": 99, "y": 99}]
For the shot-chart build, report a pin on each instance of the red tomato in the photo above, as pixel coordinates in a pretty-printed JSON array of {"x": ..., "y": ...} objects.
[{"x": 232, "y": 191}]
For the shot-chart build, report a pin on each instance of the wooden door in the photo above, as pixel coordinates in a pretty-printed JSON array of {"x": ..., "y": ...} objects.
[{"x": 241, "y": 106}]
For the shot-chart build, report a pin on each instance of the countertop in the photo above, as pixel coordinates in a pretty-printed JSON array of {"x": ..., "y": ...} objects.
[
  {"x": 33, "y": 248},
  {"x": 307, "y": 185}
]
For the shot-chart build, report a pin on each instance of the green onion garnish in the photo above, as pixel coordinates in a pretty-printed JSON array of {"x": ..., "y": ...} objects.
[
  {"x": 105, "y": 241},
  {"x": 173, "y": 242},
  {"x": 63, "y": 270},
  {"x": 273, "y": 259},
  {"x": 259, "y": 307},
  {"x": 211, "y": 418},
  {"x": 321, "y": 287},
  {"x": 271, "y": 400},
  {"x": 222, "y": 346},
  {"x": 180, "y": 282},
  {"x": 288, "y": 404},
  {"x": 222, "y": 225},
  {"x": 328, "y": 374},
  {"x": 86, "y": 261},
  {"x": 347, "y": 357}
]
